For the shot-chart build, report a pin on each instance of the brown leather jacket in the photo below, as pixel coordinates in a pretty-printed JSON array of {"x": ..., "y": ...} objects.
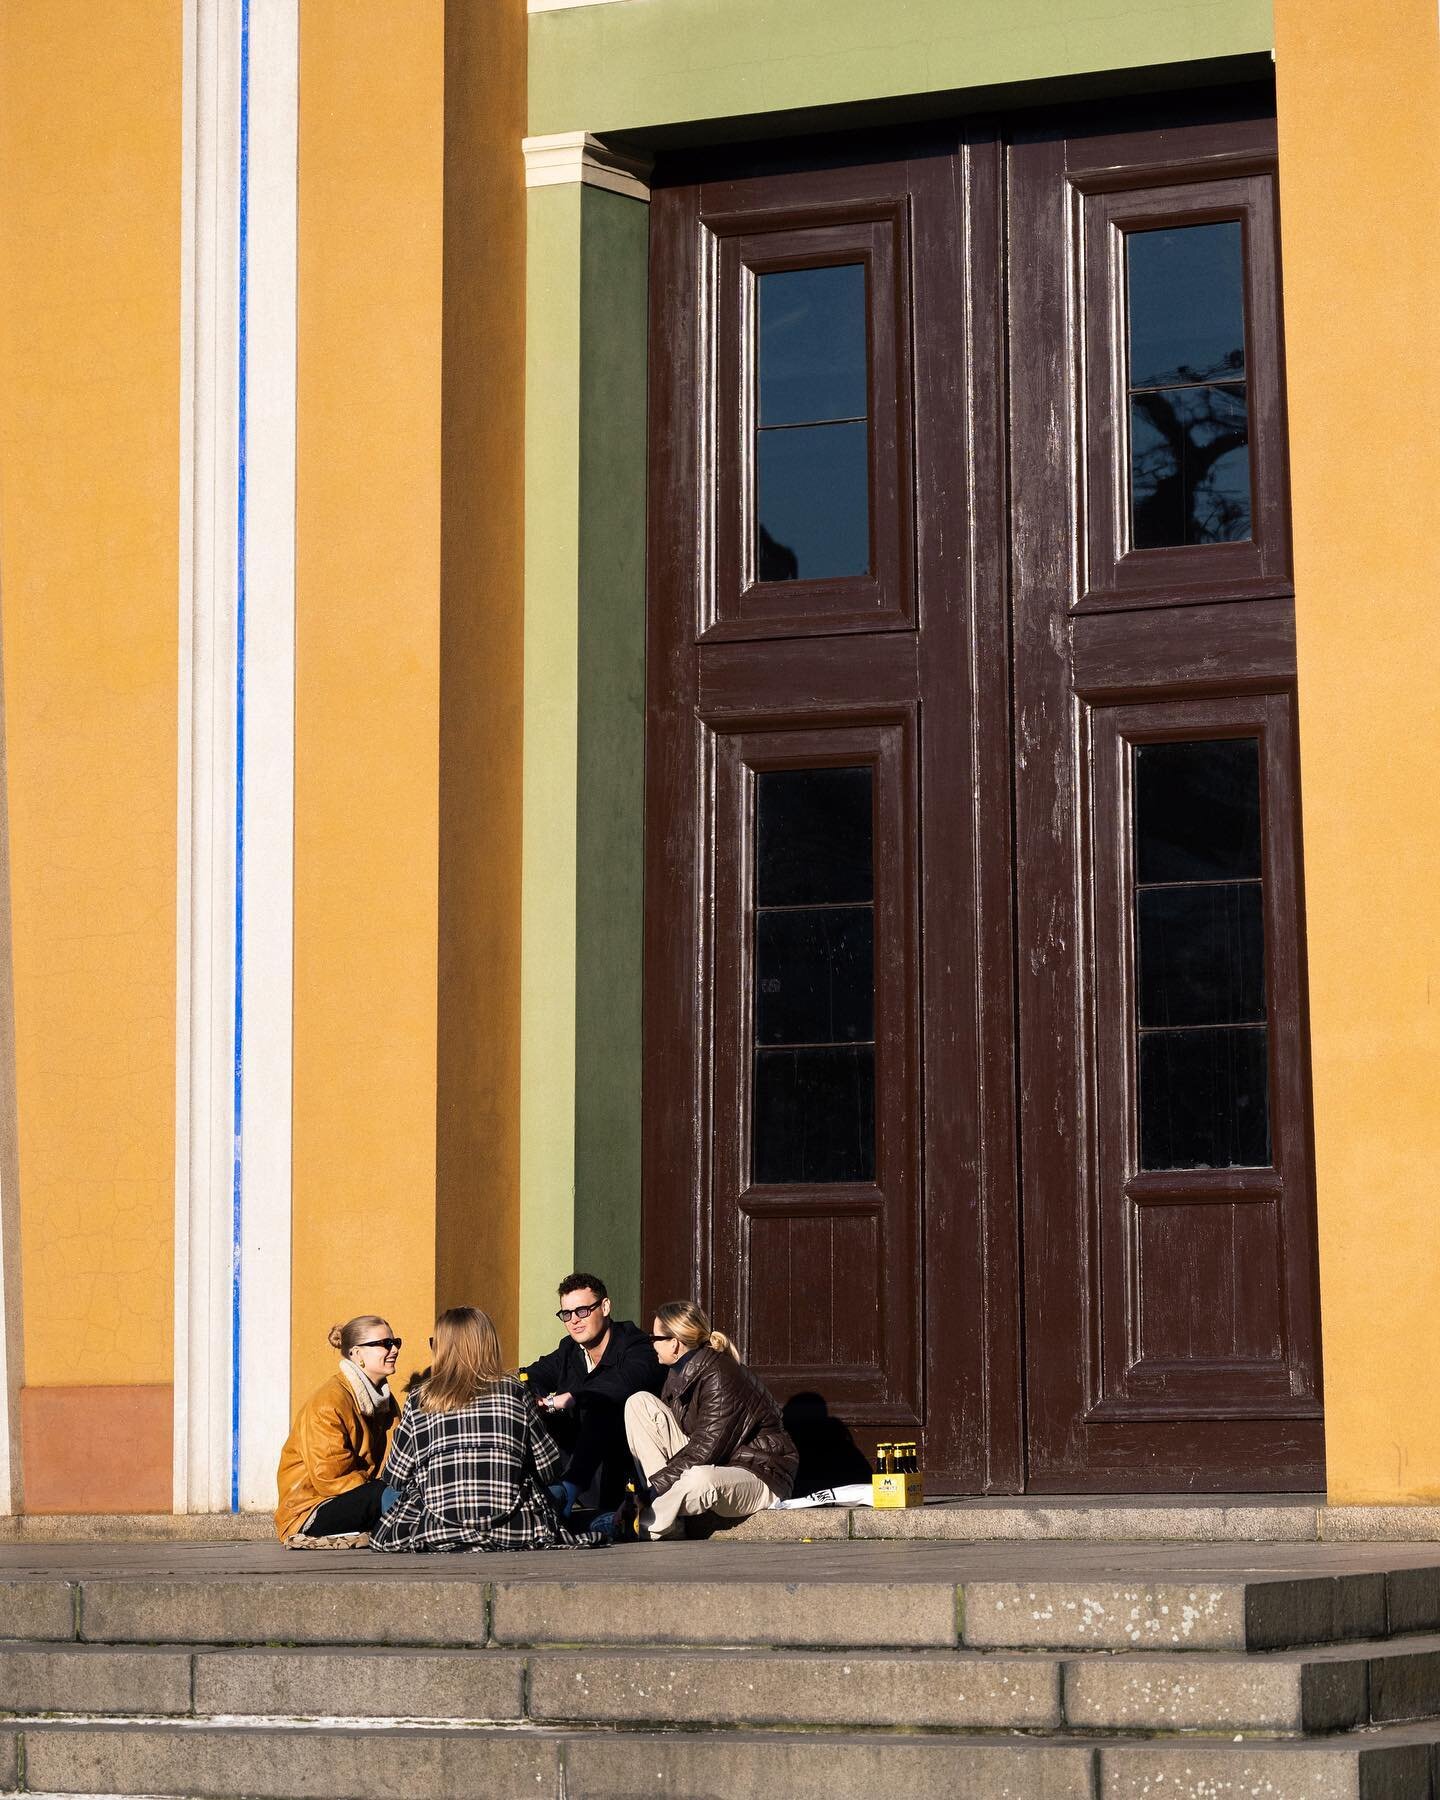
[
  {"x": 731, "y": 1420},
  {"x": 333, "y": 1446}
]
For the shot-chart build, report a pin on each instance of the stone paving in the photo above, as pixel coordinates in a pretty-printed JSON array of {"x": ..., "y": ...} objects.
[
  {"x": 720, "y": 1562},
  {"x": 1157, "y": 1518}
]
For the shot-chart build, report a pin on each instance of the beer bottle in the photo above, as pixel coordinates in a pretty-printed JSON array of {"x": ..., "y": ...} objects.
[{"x": 882, "y": 1459}]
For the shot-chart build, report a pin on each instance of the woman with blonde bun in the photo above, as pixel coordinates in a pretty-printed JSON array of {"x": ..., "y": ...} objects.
[
  {"x": 331, "y": 1494},
  {"x": 471, "y": 1456},
  {"x": 712, "y": 1443}
]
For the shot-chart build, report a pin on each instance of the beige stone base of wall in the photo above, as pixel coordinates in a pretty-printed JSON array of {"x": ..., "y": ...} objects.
[{"x": 137, "y": 1528}]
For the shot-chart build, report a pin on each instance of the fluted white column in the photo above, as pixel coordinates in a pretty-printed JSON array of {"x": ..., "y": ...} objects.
[{"x": 236, "y": 752}]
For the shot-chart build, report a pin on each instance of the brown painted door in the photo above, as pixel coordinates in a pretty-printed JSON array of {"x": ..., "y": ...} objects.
[
  {"x": 829, "y": 1058},
  {"x": 1169, "y": 1266},
  {"x": 892, "y": 1056}
]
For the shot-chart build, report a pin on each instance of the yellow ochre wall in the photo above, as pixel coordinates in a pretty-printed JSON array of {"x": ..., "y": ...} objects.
[
  {"x": 1359, "y": 115},
  {"x": 90, "y": 145},
  {"x": 367, "y": 670},
  {"x": 482, "y": 632}
]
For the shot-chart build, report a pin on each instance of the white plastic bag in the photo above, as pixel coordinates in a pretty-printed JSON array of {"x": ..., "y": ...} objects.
[{"x": 857, "y": 1493}]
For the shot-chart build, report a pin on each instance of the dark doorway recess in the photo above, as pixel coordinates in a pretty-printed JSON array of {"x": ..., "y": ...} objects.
[{"x": 976, "y": 1091}]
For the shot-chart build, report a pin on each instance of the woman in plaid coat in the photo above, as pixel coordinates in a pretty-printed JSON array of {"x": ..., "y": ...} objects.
[{"x": 470, "y": 1455}]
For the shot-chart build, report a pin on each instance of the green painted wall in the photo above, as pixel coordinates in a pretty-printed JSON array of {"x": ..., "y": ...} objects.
[
  {"x": 581, "y": 918},
  {"x": 609, "y": 913},
  {"x": 641, "y": 63},
  {"x": 547, "y": 907}
]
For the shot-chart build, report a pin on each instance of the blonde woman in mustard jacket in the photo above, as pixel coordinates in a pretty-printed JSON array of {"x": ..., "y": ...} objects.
[{"x": 330, "y": 1488}]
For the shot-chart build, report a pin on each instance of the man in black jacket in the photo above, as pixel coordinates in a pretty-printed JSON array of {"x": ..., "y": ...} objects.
[{"x": 581, "y": 1388}]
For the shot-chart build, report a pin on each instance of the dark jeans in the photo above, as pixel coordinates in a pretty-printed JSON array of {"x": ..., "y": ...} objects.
[
  {"x": 356, "y": 1510},
  {"x": 595, "y": 1454}
]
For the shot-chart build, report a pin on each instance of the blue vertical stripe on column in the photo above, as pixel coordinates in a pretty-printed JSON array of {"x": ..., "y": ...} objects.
[{"x": 237, "y": 1187}]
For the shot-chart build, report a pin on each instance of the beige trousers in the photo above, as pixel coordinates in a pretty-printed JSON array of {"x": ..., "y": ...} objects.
[{"x": 654, "y": 1438}]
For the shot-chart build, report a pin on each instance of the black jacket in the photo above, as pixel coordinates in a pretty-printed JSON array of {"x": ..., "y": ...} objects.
[
  {"x": 629, "y": 1366},
  {"x": 730, "y": 1418}
]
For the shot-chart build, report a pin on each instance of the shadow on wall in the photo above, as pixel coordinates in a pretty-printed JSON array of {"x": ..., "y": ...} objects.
[{"x": 829, "y": 1455}]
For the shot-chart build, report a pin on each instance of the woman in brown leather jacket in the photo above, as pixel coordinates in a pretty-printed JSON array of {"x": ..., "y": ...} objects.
[{"x": 713, "y": 1442}]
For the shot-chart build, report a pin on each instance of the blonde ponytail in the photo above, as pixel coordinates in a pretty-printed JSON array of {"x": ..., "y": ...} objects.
[{"x": 689, "y": 1324}]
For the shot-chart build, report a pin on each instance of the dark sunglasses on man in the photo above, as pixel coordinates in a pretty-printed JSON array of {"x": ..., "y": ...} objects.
[{"x": 567, "y": 1313}]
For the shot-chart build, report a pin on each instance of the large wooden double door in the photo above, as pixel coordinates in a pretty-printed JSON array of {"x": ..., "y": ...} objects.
[{"x": 975, "y": 1081}]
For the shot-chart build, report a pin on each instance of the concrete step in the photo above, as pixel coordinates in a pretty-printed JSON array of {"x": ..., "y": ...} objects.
[
  {"x": 430, "y": 1763},
  {"x": 1315, "y": 1691},
  {"x": 817, "y": 1596}
]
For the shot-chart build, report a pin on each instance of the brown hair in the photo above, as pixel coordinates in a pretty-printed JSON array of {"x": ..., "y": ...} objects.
[
  {"x": 467, "y": 1360},
  {"x": 572, "y": 1284},
  {"x": 345, "y": 1337},
  {"x": 690, "y": 1323}
]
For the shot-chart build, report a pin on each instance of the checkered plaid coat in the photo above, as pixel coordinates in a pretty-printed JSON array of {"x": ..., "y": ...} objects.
[{"x": 474, "y": 1479}]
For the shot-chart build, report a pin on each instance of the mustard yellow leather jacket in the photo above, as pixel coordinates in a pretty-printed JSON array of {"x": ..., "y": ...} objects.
[{"x": 332, "y": 1447}]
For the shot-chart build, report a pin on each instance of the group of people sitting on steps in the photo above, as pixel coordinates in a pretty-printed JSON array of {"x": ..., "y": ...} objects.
[{"x": 617, "y": 1434}]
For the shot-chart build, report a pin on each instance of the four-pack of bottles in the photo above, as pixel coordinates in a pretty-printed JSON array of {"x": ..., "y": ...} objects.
[{"x": 897, "y": 1480}]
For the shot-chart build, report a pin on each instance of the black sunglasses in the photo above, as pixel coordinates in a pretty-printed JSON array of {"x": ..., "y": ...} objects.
[
  {"x": 661, "y": 1337},
  {"x": 567, "y": 1313},
  {"x": 379, "y": 1344}
]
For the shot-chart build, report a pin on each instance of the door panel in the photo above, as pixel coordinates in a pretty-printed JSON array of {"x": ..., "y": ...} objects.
[
  {"x": 815, "y": 1215},
  {"x": 891, "y": 1293},
  {"x": 1168, "y": 1214}
]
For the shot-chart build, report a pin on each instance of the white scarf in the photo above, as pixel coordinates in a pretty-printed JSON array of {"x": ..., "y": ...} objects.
[{"x": 368, "y": 1397}]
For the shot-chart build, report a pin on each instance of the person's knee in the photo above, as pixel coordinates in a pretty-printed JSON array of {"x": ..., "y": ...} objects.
[
  {"x": 641, "y": 1420},
  {"x": 697, "y": 1491},
  {"x": 742, "y": 1499},
  {"x": 639, "y": 1424}
]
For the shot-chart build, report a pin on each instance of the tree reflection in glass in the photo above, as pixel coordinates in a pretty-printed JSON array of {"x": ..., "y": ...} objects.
[
  {"x": 1189, "y": 466},
  {"x": 1189, "y": 421}
]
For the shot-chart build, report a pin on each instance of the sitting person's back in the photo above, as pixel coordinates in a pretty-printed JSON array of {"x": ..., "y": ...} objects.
[
  {"x": 470, "y": 1455},
  {"x": 711, "y": 1391}
]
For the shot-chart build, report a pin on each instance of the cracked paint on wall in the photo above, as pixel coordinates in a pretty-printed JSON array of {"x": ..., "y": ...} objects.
[{"x": 89, "y": 444}]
